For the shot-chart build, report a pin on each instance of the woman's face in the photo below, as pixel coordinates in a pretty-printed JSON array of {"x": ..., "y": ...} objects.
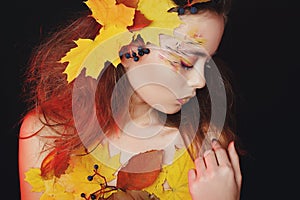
[{"x": 169, "y": 75}]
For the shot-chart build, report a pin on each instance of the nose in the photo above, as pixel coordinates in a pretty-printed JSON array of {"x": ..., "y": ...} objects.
[{"x": 196, "y": 79}]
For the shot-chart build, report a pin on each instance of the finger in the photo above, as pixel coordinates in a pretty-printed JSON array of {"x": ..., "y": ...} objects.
[
  {"x": 235, "y": 162},
  {"x": 210, "y": 160},
  {"x": 221, "y": 154},
  {"x": 200, "y": 166},
  {"x": 192, "y": 175}
]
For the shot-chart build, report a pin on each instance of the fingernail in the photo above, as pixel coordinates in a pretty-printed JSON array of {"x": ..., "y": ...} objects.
[{"x": 214, "y": 141}]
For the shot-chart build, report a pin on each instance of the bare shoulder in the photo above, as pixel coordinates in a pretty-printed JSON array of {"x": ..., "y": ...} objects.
[
  {"x": 31, "y": 124},
  {"x": 30, "y": 148},
  {"x": 31, "y": 143}
]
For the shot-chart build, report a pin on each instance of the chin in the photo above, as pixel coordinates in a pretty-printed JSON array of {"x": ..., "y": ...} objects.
[{"x": 171, "y": 109}]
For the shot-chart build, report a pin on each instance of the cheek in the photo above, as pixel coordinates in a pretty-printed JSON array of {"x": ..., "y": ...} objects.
[
  {"x": 159, "y": 97},
  {"x": 212, "y": 42},
  {"x": 159, "y": 80},
  {"x": 155, "y": 94}
]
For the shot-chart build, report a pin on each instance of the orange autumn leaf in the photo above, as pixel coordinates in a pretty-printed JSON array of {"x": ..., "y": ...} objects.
[
  {"x": 141, "y": 171},
  {"x": 128, "y": 3},
  {"x": 139, "y": 22}
]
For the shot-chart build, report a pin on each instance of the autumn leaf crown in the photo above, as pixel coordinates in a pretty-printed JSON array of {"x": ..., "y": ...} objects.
[{"x": 122, "y": 21}]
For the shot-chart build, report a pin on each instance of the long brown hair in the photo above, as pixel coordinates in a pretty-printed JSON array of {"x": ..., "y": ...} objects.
[{"x": 47, "y": 91}]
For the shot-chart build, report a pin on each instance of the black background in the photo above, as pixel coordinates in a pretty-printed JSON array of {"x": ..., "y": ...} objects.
[{"x": 261, "y": 46}]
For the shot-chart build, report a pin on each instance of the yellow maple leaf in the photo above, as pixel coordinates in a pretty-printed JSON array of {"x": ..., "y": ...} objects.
[
  {"x": 108, "y": 46},
  {"x": 92, "y": 54},
  {"x": 76, "y": 57},
  {"x": 108, "y": 13},
  {"x": 101, "y": 154},
  {"x": 55, "y": 191},
  {"x": 176, "y": 176},
  {"x": 163, "y": 22},
  {"x": 82, "y": 166},
  {"x": 33, "y": 177},
  {"x": 74, "y": 182}
]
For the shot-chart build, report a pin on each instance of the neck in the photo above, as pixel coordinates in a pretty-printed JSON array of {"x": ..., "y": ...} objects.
[{"x": 141, "y": 113}]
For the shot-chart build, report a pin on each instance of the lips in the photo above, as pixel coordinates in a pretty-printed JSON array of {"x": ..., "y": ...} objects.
[{"x": 183, "y": 100}]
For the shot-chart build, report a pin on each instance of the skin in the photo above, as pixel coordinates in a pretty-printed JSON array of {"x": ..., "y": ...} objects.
[{"x": 216, "y": 175}]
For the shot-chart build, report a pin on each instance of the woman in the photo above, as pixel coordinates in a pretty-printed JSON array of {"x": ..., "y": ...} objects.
[{"x": 125, "y": 103}]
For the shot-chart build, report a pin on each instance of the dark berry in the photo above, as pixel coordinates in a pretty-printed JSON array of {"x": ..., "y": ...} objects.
[
  {"x": 82, "y": 195},
  {"x": 180, "y": 11},
  {"x": 136, "y": 59},
  {"x": 141, "y": 53},
  {"x": 193, "y": 10},
  {"x": 93, "y": 196},
  {"x": 96, "y": 166},
  {"x": 140, "y": 48},
  {"x": 146, "y": 50},
  {"x": 90, "y": 178},
  {"x": 127, "y": 55},
  {"x": 120, "y": 54}
]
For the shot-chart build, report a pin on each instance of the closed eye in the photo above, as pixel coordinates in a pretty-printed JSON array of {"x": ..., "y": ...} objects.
[{"x": 185, "y": 66}]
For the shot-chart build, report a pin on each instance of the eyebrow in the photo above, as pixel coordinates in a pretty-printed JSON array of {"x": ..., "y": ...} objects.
[
  {"x": 188, "y": 52},
  {"x": 195, "y": 52}
]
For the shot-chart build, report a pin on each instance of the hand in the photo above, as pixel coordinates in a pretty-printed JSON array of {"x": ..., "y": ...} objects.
[{"x": 217, "y": 175}]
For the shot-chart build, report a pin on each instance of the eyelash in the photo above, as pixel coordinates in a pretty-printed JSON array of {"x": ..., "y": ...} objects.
[
  {"x": 185, "y": 66},
  {"x": 180, "y": 63}
]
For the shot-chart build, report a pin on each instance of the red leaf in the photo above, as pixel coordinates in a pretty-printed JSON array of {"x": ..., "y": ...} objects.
[
  {"x": 129, "y": 3},
  {"x": 55, "y": 164},
  {"x": 139, "y": 21},
  {"x": 141, "y": 171}
]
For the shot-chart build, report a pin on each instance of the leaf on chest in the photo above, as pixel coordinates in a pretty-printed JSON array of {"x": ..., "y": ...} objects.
[
  {"x": 141, "y": 170},
  {"x": 132, "y": 194}
]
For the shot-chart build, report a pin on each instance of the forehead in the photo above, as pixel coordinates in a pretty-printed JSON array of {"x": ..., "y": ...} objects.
[
  {"x": 185, "y": 47},
  {"x": 206, "y": 29}
]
